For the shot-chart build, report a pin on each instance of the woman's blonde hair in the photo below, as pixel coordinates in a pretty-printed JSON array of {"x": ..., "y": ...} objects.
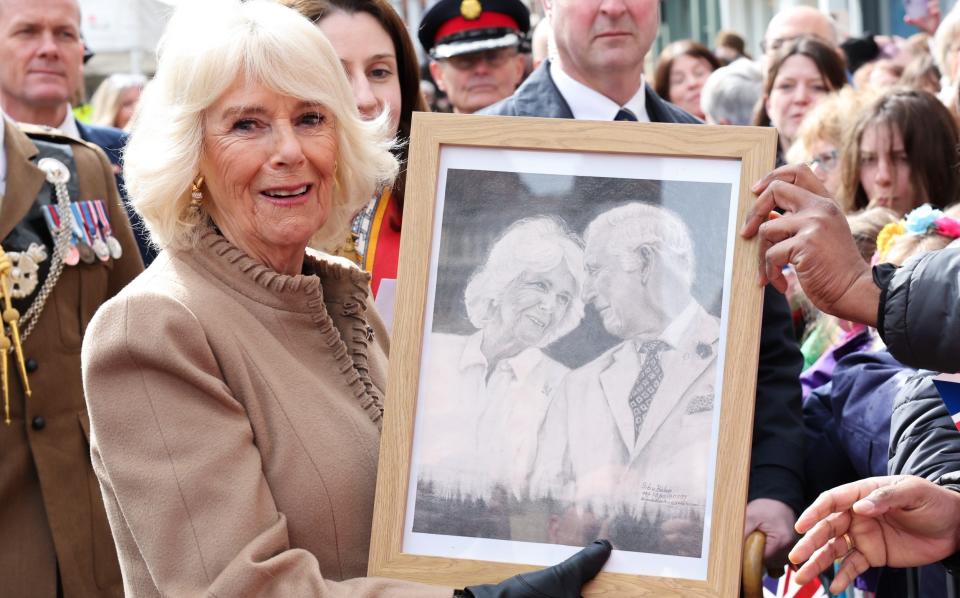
[
  {"x": 106, "y": 100},
  {"x": 828, "y": 122},
  {"x": 866, "y": 224},
  {"x": 207, "y": 46},
  {"x": 947, "y": 35}
]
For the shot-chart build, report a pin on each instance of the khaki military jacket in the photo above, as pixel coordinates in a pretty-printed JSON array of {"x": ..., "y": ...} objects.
[{"x": 51, "y": 510}]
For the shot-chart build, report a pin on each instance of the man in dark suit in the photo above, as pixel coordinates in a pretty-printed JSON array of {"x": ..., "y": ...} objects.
[
  {"x": 41, "y": 64},
  {"x": 598, "y": 75}
]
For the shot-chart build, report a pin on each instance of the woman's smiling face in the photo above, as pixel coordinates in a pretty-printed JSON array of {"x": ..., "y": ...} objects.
[
  {"x": 268, "y": 163},
  {"x": 535, "y": 302}
]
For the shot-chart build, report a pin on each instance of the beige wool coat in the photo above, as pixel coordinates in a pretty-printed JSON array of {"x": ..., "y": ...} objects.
[{"x": 235, "y": 423}]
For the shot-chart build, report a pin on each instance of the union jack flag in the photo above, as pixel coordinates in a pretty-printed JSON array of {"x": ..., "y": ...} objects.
[
  {"x": 948, "y": 385},
  {"x": 784, "y": 587}
]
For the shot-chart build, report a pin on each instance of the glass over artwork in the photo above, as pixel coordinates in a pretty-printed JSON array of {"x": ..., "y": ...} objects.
[{"x": 572, "y": 360}]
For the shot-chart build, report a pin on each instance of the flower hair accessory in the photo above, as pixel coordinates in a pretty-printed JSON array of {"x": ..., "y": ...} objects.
[
  {"x": 888, "y": 234},
  {"x": 921, "y": 221}
]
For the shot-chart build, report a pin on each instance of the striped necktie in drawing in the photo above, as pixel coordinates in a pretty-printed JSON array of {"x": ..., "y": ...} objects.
[{"x": 647, "y": 383}]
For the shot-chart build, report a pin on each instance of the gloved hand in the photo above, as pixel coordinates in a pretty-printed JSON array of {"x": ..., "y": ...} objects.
[{"x": 560, "y": 581}]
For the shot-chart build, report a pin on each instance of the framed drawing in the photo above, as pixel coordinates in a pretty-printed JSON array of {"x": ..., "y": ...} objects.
[{"x": 574, "y": 353}]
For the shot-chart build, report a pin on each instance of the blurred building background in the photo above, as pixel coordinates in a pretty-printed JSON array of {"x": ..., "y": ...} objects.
[
  {"x": 124, "y": 33},
  {"x": 702, "y": 19}
]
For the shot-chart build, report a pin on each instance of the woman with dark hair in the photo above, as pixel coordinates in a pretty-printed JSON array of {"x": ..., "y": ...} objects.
[
  {"x": 729, "y": 46},
  {"x": 381, "y": 64},
  {"x": 801, "y": 75},
  {"x": 901, "y": 153},
  {"x": 682, "y": 69}
]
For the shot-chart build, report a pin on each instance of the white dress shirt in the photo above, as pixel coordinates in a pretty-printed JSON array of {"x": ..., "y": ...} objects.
[
  {"x": 480, "y": 422},
  {"x": 69, "y": 124},
  {"x": 589, "y": 104}
]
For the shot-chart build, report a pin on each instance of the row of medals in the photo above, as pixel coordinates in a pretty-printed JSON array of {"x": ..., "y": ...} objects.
[
  {"x": 92, "y": 236},
  {"x": 91, "y": 239}
]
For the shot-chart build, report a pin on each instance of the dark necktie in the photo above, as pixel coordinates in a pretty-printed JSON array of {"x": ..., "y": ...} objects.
[
  {"x": 647, "y": 383},
  {"x": 625, "y": 114}
]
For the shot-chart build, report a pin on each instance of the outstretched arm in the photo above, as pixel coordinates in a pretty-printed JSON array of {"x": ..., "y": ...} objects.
[
  {"x": 813, "y": 236},
  {"x": 897, "y": 521}
]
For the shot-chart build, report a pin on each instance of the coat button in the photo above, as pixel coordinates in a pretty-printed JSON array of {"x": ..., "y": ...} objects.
[
  {"x": 31, "y": 365},
  {"x": 38, "y": 423}
]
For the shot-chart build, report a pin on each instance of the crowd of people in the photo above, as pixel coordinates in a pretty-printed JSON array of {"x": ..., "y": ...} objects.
[{"x": 163, "y": 426}]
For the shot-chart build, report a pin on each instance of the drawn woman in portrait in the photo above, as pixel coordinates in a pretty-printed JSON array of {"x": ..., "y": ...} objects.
[{"x": 485, "y": 394}]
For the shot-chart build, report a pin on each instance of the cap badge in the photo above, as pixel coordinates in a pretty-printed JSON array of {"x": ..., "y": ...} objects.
[{"x": 470, "y": 9}]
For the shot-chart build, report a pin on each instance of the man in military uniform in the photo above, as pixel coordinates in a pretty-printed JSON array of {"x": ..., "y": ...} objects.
[
  {"x": 55, "y": 536},
  {"x": 475, "y": 49},
  {"x": 41, "y": 65}
]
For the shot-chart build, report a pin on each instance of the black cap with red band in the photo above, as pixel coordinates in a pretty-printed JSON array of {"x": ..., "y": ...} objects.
[{"x": 454, "y": 27}]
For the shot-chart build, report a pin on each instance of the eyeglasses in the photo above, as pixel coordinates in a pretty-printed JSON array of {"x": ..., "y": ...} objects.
[
  {"x": 494, "y": 58},
  {"x": 776, "y": 44},
  {"x": 825, "y": 160}
]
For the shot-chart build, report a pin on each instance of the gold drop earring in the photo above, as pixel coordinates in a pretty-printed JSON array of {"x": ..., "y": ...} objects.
[{"x": 196, "y": 195}]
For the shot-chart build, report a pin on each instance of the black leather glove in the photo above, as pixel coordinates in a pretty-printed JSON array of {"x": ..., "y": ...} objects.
[{"x": 560, "y": 581}]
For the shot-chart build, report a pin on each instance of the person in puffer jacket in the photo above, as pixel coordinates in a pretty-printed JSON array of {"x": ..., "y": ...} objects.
[{"x": 918, "y": 315}]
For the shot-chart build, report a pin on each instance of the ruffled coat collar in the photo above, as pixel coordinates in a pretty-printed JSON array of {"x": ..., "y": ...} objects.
[{"x": 333, "y": 295}]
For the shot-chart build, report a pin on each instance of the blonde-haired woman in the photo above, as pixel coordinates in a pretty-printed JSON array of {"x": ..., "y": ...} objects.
[
  {"x": 115, "y": 100},
  {"x": 946, "y": 53},
  {"x": 822, "y": 133},
  {"x": 235, "y": 389}
]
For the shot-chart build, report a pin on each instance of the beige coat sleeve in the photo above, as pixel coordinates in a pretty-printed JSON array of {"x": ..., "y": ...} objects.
[{"x": 188, "y": 504}]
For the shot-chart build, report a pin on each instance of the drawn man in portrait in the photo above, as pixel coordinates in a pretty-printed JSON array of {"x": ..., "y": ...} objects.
[{"x": 626, "y": 441}]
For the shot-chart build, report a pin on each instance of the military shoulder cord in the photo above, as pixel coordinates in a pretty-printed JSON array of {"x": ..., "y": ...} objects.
[{"x": 11, "y": 340}]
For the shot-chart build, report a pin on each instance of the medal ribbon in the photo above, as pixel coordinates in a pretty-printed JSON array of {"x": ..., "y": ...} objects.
[
  {"x": 104, "y": 220},
  {"x": 80, "y": 231},
  {"x": 93, "y": 232},
  {"x": 52, "y": 215},
  {"x": 53, "y": 222}
]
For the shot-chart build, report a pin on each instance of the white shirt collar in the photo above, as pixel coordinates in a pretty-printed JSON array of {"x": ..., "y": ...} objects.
[
  {"x": 520, "y": 364},
  {"x": 69, "y": 124},
  {"x": 3, "y": 154},
  {"x": 589, "y": 104},
  {"x": 673, "y": 334}
]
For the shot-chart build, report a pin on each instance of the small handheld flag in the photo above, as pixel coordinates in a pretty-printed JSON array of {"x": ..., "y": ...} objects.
[{"x": 948, "y": 385}]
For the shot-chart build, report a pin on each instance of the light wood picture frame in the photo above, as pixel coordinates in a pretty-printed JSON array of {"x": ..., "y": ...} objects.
[{"x": 501, "y": 490}]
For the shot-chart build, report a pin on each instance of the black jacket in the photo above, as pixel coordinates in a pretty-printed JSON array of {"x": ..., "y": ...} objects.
[
  {"x": 919, "y": 315},
  {"x": 924, "y": 441},
  {"x": 919, "y": 319},
  {"x": 776, "y": 469}
]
